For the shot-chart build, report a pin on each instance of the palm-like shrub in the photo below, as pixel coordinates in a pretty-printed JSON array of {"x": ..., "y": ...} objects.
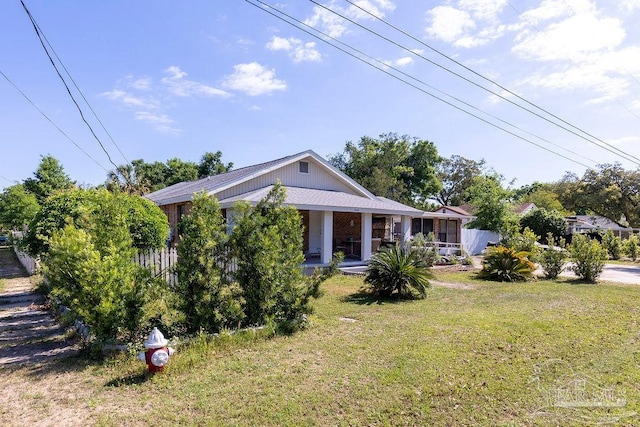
[
  {"x": 506, "y": 265},
  {"x": 398, "y": 270}
]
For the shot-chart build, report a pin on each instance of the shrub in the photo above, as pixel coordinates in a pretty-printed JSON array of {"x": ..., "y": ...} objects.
[
  {"x": 398, "y": 269},
  {"x": 613, "y": 244},
  {"x": 631, "y": 247},
  {"x": 506, "y": 265},
  {"x": 207, "y": 298},
  {"x": 525, "y": 241},
  {"x": 425, "y": 247},
  {"x": 267, "y": 243},
  {"x": 553, "y": 259},
  {"x": 542, "y": 221},
  {"x": 589, "y": 257}
]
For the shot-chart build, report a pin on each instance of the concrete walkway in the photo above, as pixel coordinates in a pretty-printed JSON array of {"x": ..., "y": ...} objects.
[{"x": 28, "y": 331}]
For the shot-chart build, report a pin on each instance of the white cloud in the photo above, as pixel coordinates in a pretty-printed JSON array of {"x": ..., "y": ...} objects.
[
  {"x": 142, "y": 83},
  {"x": 298, "y": 51},
  {"x": 630, "y": 5},
  {"x": 179, "y": 86},
  {"x": 160, "y": 122},
  {"x": 336, "y": 26},
  {"x": 253, "y": 79},
  {"x": 129, "y": 100},
  {"x": 449, "y": 23}
]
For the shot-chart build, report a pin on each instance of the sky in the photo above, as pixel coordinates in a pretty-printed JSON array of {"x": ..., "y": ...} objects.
[{"x": 178, "y": 79}]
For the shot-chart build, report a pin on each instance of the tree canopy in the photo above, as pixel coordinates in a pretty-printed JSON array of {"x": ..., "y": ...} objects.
[
  {"x": 48, "y": 178},
  {"x": 401, "y": 168},
  {"x": 493, "y": 203},
  {"x": 456, "y": 175},
  {"x": 17, "y": 207}
]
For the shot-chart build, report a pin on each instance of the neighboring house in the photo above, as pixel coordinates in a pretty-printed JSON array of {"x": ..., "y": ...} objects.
[
  {"x": 595, "y": 223},
  {"x": 338, "y": 214},
  {"x": 446, "y": 225}
]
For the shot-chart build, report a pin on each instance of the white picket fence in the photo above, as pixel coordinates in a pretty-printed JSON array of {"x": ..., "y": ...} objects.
[
  {"x": 29, "y": 263},
  {"x": 161, "y": 263}
]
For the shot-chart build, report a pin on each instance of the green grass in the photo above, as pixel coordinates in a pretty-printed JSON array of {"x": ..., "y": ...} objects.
[{"x": 493, "y": 355}]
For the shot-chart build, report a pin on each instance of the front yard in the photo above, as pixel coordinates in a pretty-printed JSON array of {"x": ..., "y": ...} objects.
[{"x": 539, "y": 353}]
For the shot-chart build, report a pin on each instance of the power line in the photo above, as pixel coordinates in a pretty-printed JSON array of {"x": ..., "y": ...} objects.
[
  {"x": 50, "y": 121},
  {"x": 606, "y": 146},
  {"x": 400, "y": 79},
  {"x": 35, "y": 27},
  {"x": 82, "y": 94}
]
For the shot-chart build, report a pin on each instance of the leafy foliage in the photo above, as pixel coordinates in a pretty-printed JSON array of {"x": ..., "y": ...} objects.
[
  {"x": 553, "y": 259},
  {"x": 589, "y": 257},
  {"x": 93, "y": 273},
  {"x": 456, "y": 175},
  {"x": 493, "y": 203},
  {"x": 541, "y": 222},
  {"x": 267, "y": 244},
  {"x": 425, "y": 247},
  {"x": 506, "y": 265},
  {"x": 205, "y": 295},
  {"x": 17, "y": 207},
  {"x": 631, "y": 247},
  {"x": 526, "y": 241},
  {"x": 49, "y": 178},
  {"x": 148, "y": 226},
  {"x": 400, "y": 270},
  {"x": 613, "y": 244},
  {"x": 401, "y": 168}
]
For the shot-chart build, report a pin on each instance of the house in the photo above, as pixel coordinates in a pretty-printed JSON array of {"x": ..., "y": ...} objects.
[
  {"x": 595, "y": 223},
  {"x": 446, "y": 223},
  {"x": 338, "y": 214}
]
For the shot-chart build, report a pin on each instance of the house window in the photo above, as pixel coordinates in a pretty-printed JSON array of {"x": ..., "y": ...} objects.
[
  {"x": 421, "y": 225},
  {"x": 303, "y": 167},
  {"x": 448, "y": 231},
  {"x": 442, "y": 230}
]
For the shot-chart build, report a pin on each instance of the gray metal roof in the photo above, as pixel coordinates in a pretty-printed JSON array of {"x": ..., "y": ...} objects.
[{"x": 312, "y": 199}]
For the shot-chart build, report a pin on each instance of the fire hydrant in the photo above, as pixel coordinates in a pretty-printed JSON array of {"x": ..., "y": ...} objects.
[{"x": 157, "y": 354}]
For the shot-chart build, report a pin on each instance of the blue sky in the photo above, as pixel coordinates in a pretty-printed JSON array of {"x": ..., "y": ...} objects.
[{"x": 177, "y": 79}]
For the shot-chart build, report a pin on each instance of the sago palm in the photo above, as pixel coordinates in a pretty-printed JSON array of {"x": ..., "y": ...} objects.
[{"x": 398, "y": 270}]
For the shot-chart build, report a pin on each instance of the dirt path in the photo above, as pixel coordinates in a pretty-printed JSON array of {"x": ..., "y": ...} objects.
[{"x": 28, "y": 331}]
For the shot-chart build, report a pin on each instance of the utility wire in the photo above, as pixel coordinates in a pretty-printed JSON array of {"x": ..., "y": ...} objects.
[
  {"x": 602, "y": 87},
  {"x": 605, "y": 145},
  {"x": 262, "y": 6},
  {"x": 50, "y": 121},
  {"x": 35, "y": 27},
  {"x": 385, "y": 65},
  {"x": 81, "y": 94}
]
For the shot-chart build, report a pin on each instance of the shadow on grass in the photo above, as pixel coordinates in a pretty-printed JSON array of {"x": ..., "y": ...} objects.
[
  {"x": 133, "y": 379},
  {"x": 366, "y": 298}
]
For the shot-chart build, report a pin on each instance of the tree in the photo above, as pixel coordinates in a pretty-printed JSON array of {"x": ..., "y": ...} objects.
[
  {"x": 49, "y": 178},
  {"x": 543, "y": 195},
  {"x": 125, "y": 179},
  {"x": 456, "y": 175},
  {"x": 542, "y": 222},
  {"x": 180, "y": 171},
  {"x": 17, "y": 207},
  {"x": 492, "y": 200},
  {"x": 267, "y": 244},
  {"x": 401, "y": 168},
  {"x": 211, "y": 164},
  {"x": 608, "y": 191},
  {"x": 208, "y": 299},
  {"x": 148, "y": 227}
]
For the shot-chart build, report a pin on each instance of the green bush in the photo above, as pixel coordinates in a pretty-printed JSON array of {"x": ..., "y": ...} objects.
[
  {"x": 398, "y": 270},
  {"x": 207, "y": 298},
  {"x": 267, "y": 244},
  {"x": 613, "y": 244},
  {"x": 542, "y": 221},
  {"x": 506, "y": 265},
  {"x": 631, "y": 247},
  {"x": 588, "y": 257},
  {"x": 525, "y": 241},
  {"x": 553, "y": 259},
  {"x": 425, "y": 246}
]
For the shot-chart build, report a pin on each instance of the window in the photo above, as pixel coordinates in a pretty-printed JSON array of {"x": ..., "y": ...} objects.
[{"x": 303, "y": 167}]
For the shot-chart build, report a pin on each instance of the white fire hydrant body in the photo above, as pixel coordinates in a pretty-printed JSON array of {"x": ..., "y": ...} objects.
[{"x": 157, "y": 354}]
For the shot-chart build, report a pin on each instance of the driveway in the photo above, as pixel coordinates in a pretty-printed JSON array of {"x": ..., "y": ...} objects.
[{"x": 613, "y": 273}]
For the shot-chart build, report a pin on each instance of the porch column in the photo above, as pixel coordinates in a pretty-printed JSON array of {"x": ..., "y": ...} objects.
[
  {"x": 326, "y": 232},
  {"x": 405, "y": 228},
  {"x": 366, "y": 225}
]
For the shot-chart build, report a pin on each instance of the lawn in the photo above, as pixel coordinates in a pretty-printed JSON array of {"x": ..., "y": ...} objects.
[{"x": 540, "y": 353}]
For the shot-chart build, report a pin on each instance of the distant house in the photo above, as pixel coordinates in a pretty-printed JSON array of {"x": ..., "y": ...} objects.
[
  {"x": 595, "y": 223},
  {"x": 338, "y": 213}
]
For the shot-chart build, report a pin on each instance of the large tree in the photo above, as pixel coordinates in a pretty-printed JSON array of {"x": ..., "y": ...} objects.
[
  {"x": 456, "y": 175},
  {"x": 211, "y": 164},
  {"x": 401, "y": 168},
  {"x": 609, "y": 191},
  {"x": 17, "y": 207},
  {"x": 493, "y": 204},
  {"x": 48, "y": 178}
]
